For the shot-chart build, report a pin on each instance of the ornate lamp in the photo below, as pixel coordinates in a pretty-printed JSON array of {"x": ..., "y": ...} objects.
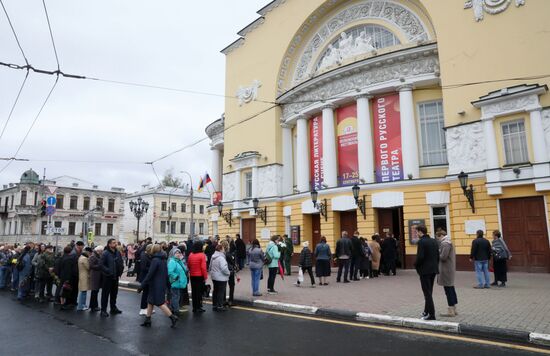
[
  {"x": 468, "y": 191},
  {"x": 261, "y": 212},
  {"x": 359, "y": 202},
  {"x": 322, "y": 207}
]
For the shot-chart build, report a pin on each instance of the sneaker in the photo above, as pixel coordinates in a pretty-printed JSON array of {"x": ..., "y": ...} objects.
[
  {"x": 297, "y": 284},
  {"x": 502, "y": 285},
  {"x": 143, "y": 312},
  {"x": 272, "y": 292}
]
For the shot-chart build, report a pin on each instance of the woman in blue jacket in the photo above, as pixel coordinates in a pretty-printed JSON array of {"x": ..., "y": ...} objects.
[
  {"x": 156, "y": 281},
  {"x": 272, "y": 254},
  {"x": 24, "y": 267},
  {"x": 177, "y": 275}
]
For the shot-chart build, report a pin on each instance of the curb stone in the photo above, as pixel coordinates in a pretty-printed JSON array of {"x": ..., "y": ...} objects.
[{"x": 381, "y": 319}]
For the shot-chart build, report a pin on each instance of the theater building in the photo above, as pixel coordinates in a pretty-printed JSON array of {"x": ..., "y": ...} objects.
[{"x": 397, "y": 97}]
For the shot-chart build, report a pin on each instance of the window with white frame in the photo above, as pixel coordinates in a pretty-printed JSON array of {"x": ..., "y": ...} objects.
[
  {"x": 432, "y": 133},
  {"x": 439, "y": 218},
  {"x": 248, "y": 184},
  {"x": 515, "y": 142}
]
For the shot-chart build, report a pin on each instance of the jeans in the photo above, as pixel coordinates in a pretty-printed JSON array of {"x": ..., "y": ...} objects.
[
  {"x": 427, "y": 283},
  {"x": 82, "y": 300},
  {"x": 482, "y": 273},
  {"x": 343, "y": 264},
  {"x": 23, "y": 287},
  {"x": 3, "y": 275},
  {"x": 175, "y": 299},
  {"x": 354, "y": 267},
  {"x": 218, "y": 294},
  {"x": 452, "y": 299},
  {"x": 14, "y": 278},
  {"x": 255, "y": 274},
  {"x": 271, "y": 279}
]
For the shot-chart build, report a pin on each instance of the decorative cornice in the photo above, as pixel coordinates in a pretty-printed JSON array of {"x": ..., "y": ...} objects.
[
  {"x": 270, "y": 7},
  {"x": 405, "y": 87},
  {"x": 251, "y": 27},
  {"x": 236, "y": 44}
]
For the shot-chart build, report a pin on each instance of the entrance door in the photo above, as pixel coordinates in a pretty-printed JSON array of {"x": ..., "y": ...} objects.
[
  {"x": 348, "y": 222},
  {"x": 390, "y": 221},
  {"x": 315, "y": 230},
  {"x": 525, "y": 232},
  {"x": 248, "y": 230}
]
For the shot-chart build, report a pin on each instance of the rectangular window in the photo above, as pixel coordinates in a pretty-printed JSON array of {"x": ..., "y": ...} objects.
[
  {"x": 35, "y": 198},
  {"x": 86, "y": 203},
  {"x": 183, "y": 207},
  {"x": 182, "y": 228},
  {"x": 174, "y": 207},
  {"x": 59, "y": 201},
  {"x": 98, "y": 229},
  {"x": 23, "y": 197},
  {"x": 57, "y": 224},
  {"x": 111, "y": 207},
  {"x": 109, "y": 229},
  {"x": 72, "y": 228},
  {"x": 432, "y": 122},
  {"x": 73, "y": 203},
  {"x": 201, "y": 228},
  {"x": 515, "y": 142},
  {"x": 163, "y": 206},
  {"x": 172, "y": 227},
  {"x": 163, "y": 227},
  {"x": 15, "y": 229},
  {"x": 99, "y": 202},
  {"x": 439, "y": 218},
  {"x": 11, "y": 202},
  {"x": 201, "y": 209},
  {"x": 248, "y": 185},
  {"x": 194, "y": 210}
]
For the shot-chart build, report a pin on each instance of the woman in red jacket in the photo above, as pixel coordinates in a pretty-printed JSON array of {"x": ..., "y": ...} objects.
[{"x": 197, "y": 270}]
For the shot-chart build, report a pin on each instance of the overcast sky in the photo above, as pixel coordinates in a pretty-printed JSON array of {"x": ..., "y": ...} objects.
[{"x": 167, "y": 43}]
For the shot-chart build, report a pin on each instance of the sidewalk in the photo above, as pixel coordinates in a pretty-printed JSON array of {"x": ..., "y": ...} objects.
[{"x": 524, "y": 305}]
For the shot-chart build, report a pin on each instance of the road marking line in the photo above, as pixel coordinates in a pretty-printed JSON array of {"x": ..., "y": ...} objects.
[{"x": 401, "y": 330}]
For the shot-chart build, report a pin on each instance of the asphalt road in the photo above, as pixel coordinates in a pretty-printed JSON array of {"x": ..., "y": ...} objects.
[{"x": 33, "y": 329}]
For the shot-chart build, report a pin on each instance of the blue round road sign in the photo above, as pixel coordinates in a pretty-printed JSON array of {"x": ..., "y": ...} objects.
[
  {"x": 51, "y": 201},
  {"x": 50, "y": 210}
]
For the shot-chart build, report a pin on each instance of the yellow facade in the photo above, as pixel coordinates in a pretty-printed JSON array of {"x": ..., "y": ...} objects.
[{"x": 480, "y": 64}]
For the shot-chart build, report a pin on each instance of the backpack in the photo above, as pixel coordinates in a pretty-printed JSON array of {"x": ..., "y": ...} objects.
[{"x": 268, "y": 259}]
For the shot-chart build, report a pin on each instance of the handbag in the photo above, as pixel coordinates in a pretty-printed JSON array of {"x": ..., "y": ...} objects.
[{"x": 300, "y": 276}]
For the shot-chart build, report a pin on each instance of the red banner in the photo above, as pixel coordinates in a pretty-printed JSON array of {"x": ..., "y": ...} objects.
[
  {"x": 316, "y": 151},
  {"x": 216, "y": 198},
  {"x": 348, "y": 164},
  {"x": 387, "y": 138}
]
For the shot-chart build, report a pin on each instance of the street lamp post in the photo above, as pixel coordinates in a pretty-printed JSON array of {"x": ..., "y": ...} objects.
[
  {"x": 192, "y": 227},
  {"x": 139, "y": 208}
]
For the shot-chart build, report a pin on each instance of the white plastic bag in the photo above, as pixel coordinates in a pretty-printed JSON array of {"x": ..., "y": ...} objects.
[{"x": 300, "y": 275}]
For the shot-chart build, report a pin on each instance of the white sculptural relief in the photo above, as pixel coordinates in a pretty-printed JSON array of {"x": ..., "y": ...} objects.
[
  {"x": 270, "y": 179},
  {"x": 492, "y": 7},
  {"x": 348, "y": 47},
  {"x": 229, "y": 185},
  {"x": 248, "y": 94},
  {"x": 546, "y": 125},
  {"x": 466, "y": 148}
]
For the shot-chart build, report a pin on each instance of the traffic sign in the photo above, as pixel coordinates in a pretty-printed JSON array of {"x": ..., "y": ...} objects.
[
  {"x": 50, "y": 210},
  {"x": 55, "y": 230},
  {"x": 51, "y": 200},
  {"x": 52, "y": 189}
]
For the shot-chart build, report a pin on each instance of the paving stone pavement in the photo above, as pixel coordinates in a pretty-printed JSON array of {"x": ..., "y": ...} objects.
[{"x": 523, "y": 305}]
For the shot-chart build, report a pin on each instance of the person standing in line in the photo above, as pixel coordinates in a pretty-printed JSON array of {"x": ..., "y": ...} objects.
[
  {"x": 197, "y": 270},
  {"x": 177, "y": 275},
  {"x": 209, "y": 251},
  {"x": 4, "y": 265},
  {"x": 426, "y": 265},
  {"x": 94, "y": 262},
  {"x": 219, "y": 272},
  {"x": 481, "y": 254},
  {"x": 501, "y": 254},
  {"x": 355, "y": 261},
  {"x": 289, "y": 251},
  {"x": 83, "y": 279},
  {"x": 343, "y": 254},
  {"x": 112, "y": 267},
  {"x": 376, "y": 251},
  {"x": 24, "y": 268},
  {"x": 366, "y": 255},
  {"x": 156, "y": 280},
  {"x": 447, "y": 269},
  {"x": 67, "y": 270},
  {"x": 306, "y": 263},
  {"x": 272, "y": 255},
  {"x": 389, "y": 254},
  {"x": 256, "y": 259},
  {"x": 322, "y": 261},
  {"x": 44, "y": 267},
  {"x": 145, "y": 263},
  {"x": 130, "y": 255},
  {"x": 241, "y": 251},
  {"x": 233, "y": 268}
]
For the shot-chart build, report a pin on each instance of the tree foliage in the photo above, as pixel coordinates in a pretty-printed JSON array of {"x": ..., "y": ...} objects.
[{"x": 170, "y": 180}]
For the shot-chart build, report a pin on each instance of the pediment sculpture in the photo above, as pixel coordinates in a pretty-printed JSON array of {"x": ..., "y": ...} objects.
[{"x": 492, "y": 7}]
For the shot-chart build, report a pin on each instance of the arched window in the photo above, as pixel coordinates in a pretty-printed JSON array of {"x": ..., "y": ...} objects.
[{"x": 356, "y": 41}]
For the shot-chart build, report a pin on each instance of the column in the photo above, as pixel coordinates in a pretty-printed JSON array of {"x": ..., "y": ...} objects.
[
  {"x": 364, "y": 139},
  {"x": 238, "y": 184},
  {"x": 540, "y": 168},
  {"x": 330, "y": 168},
  {"x": 302, "y": 164},
  {"x": 409, "y": 137},
  {"x": 255, "y": 182},
  {"x": 490, "y": 143},
  {"x": 215, "y": 173},
  {"x": 288, "y": 171}
]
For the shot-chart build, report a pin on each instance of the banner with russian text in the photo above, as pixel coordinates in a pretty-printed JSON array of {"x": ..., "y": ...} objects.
[
  {"x": 387, "y": 138},
  {"x": 316, "y": 151},
  {"x": 348, "y": 164}
]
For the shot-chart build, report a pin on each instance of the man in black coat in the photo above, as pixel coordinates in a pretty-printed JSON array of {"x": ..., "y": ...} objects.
[
  {"x": 427, "y": 267},
  {"x": 343, "y": 254},
  {"x": 241, "y": 251},
  {"x": 389, "y": 254},
  {"x": 112, "y": 267},
  {"x": 356, "y": 250}
]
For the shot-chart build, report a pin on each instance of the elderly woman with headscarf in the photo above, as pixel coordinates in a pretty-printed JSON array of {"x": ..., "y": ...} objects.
[
  {"x": 306, "y": 263},
  {"x": 95, "y": 277},
  {"x": 177, "y": 275},
  {"x": 447, "y": 269}
]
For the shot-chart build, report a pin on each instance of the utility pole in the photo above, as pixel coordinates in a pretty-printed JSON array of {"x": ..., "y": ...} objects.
[{"x": 192, "y": 229}]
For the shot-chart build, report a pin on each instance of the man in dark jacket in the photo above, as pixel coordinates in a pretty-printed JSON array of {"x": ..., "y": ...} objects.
[
  {"x": 241, "y": 251},
  {"x": 343, "y": 253},
  {"x": 480, "y": 254},
  {"x": 112, "y": 267},
  {"x": 389, "y": 254},
  {"x": 356, "y": 250},
  {"x": 427, "y": 267}
]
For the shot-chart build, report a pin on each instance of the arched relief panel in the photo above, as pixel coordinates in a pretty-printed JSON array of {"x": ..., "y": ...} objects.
[{"x": 407, "y": 20}]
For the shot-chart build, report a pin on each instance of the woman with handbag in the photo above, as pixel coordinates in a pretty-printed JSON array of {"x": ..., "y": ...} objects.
[
  {"x": 272, "y": 255},
  {"x": 177, "y": 274},
  {"x": 68, "y": 272},
  {"x": 306, "y": 264},
  {"x": 501, "y": 255}
]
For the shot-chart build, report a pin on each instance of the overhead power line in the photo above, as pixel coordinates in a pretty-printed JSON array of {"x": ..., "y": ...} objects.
[
  {"x": 51, "y": 34},
  {"x": 14, "y": 33},
  {"x": 14, "y": 104}
]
